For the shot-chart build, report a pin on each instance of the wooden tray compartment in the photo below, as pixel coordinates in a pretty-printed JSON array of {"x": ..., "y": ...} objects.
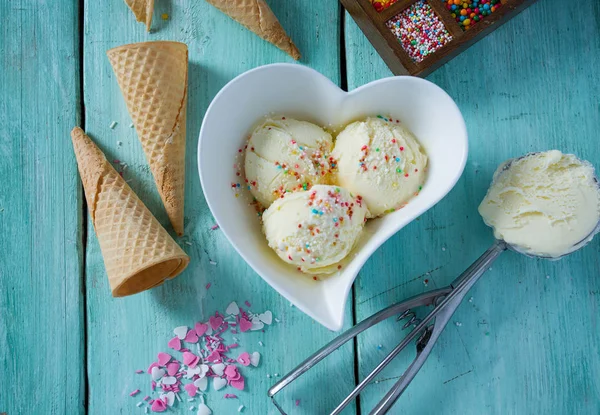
[{"x": 373, "y": 25}]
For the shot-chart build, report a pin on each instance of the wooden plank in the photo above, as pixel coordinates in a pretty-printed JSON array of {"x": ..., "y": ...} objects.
[
  {"x": 126, "y": 334},
  {"x": 41, "y": 303},
  {"x": 527, "y": 343}
]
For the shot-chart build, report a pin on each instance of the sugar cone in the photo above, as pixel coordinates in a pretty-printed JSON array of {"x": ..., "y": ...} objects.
[
  {"x": 142, "y": 10},
  {"x": 138, "y": 252},
  {"x": 258, "y": 17},
  {"x": 153, "y": 77}
]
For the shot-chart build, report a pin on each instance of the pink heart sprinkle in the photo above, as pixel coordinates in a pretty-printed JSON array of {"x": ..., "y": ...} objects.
[
  {"x": 172, "y": 368},
  {"x": 159, "y": 406},
  {"x": 200, "y": 329},
  {"x": 175, "y": 343},
  {"x": 164, "y": 358},
  {"x": 244, "y": 359},
  {"x": 214, "y": 357},
  {"x": 215, "y": 322},
  {"x": 154, "y": 364},
  {"x": 245, "y": 325},
  {"x": 231, "y": 372},
  {"x": 190, "y": 359},
  {"x": 238, "y": 384},
  {"x": 191, "y": 337},
  {"x": 191, "y": 389}
]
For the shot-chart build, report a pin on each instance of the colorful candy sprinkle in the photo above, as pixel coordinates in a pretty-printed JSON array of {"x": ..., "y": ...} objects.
[
  {"x": 468, "y": 13},
  {"x": 419, "y": 30},
  {"x": 381, "y": 5},
  {"x": 204, "y": 357}
]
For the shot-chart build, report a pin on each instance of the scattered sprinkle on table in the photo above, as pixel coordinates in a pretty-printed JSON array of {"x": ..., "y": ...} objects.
[
  {"x": 209, "y": 359},
  {"x": 419, "y": 30},
  {"x": 165, "y": 16},
  {"x": 113, "y": 125}
]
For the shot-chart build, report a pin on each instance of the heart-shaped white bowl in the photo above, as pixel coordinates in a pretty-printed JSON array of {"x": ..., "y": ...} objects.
[{"x": 300, "y": 92}]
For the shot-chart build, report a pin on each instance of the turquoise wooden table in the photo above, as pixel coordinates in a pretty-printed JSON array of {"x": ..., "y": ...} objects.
[{"x": 527, "y": 342}]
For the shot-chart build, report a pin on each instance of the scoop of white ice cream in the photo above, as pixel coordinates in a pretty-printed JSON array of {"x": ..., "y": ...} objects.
[
  {"x": 543, "y": 203},
  {"x": 381, "y": 161},
  {"x": 314, "y": 230},
  {"x": 286, "y": 155}
]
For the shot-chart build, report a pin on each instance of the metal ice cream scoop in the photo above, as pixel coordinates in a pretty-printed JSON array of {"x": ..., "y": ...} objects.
[{"x": 427, "y": 330}]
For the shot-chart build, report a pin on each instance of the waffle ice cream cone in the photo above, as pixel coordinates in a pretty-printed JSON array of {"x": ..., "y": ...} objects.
[
  {"x": 142, "y": 10},
  {"x": 258, "y": 17},
  {"x": 153, "y": 77},
  {"x": 138, "y": 252}
]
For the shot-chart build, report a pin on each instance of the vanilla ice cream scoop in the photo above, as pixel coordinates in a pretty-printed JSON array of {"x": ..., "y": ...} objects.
[
  {"x": 285, "y": 155},
  {"x": 315, "y": 229},
  {"x": 544, "y": 204},
  {"x": 381, "y": 161}
]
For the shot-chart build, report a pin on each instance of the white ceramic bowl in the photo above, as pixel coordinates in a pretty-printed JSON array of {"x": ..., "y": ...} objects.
[{"x": 300, "y": 92}]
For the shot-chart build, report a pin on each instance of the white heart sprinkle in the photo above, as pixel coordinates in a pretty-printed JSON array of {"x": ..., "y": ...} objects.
[
  {"x": 203, "y": 410},
  {"x": 201, "y": 384},
  {"x": 255, "y": 359},
  {"x": 157, "y": 373},
  {"x": 219, "y": 383},
  {"x": 169, "y": 380},
  {"x": 266, "y": 317},
  {"x": 256, "y": 324},
  {"x": 190, "y": 372},
  {"x": 203, "y": 370},
  {"x": 218, "y": 369},
  {"x": 170, "y": 397},
  {"x": 233, "y": 309},
  {"x": 181, "y": 332}
]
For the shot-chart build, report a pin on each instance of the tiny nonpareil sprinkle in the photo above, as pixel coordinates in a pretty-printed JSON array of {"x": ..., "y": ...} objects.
[
  {"x": 212, "y": 262},
  {"x": 214, "y": 227},
  {"x": 131, "y": 125},
  {"x": 113, "y": 125},
  {"x": 261, "y": 343},
  {"x": 458, "y": 324},
  {"x": 297, "y": 402},
  {"x": 140, "y": 403},
  {"x": 135, "y": 392},
  {"x": 146, "y": 410},
  {"x": 192, "y": 408},
  {"x": 188, "y": 243},
  {"x": 191, "y": 399},
  {"x": 241, "y": 408},
  {"x": 443, "y": 248}
]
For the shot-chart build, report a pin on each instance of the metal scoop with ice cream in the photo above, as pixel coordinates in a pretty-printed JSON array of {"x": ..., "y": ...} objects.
[{"x": 543, "y": 205}]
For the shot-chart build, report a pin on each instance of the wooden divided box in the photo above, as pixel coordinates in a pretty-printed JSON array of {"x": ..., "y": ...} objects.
[{"x": 415, "y": 37}]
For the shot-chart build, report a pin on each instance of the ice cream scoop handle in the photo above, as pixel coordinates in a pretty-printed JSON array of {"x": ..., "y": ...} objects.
[{"x": 444, "y": 311}]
